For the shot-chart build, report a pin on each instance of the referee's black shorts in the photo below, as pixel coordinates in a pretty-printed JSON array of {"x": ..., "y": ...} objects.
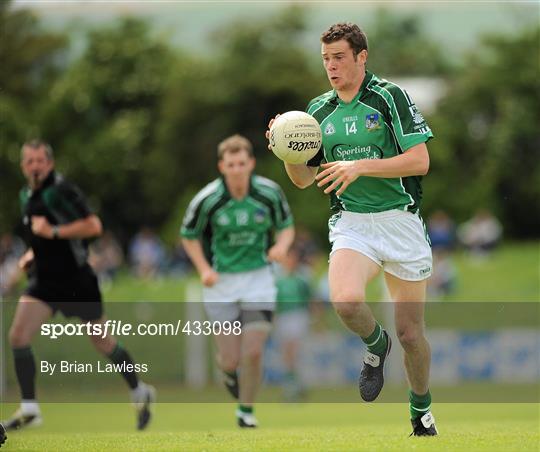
[{"x": 74, "y": 295}]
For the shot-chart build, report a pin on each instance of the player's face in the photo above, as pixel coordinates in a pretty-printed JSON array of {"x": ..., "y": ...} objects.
[
  {"x": 343, "y": 69},
  {"x": 237, "y": 168},
  {"x": 35, "y": 165}
]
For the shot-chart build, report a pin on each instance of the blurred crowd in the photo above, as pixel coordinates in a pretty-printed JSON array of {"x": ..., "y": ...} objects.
[
  {"x": 478, "y": 236},
  {"x": 302, "y": 282},
  {"x": 147, "y": 257}
]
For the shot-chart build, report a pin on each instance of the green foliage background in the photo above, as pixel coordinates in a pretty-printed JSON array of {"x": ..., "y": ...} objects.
[{"x": 135, "y": 121}]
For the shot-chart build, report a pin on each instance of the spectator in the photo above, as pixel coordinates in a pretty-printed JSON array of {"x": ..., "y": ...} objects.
[
  {"x": 481, "y": 234},
  {"x": 292, "y": 320},
  {"x": 441, "y": 230},
  {"x": 444, "y": 278},
  {"x": 146, "y": 254},
  {"x": 106, "y": 257},
  {"x": 306, "y": 246},
  {"x": 179, "y": 263}
]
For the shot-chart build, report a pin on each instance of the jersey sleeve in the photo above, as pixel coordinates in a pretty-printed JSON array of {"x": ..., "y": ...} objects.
[
  {"x": 408, "y": 123},
  {"x": 284, "y": 217},
  {"x": 319, "y": 156},
  {"x": 195, "y": 219},
  {"x": 67, "y": 203}
]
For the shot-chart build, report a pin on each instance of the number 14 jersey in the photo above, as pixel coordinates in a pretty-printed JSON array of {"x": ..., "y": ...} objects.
[{"x": 380, "y": 122}]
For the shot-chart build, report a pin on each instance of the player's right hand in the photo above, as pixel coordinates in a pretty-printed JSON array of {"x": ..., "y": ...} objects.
[
  {"x": 267, "y": 134},
  {"x": 209, "y": 277}
]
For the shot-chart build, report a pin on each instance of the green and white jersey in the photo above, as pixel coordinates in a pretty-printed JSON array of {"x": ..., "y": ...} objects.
[
  {"x": 380, "y": 122},
  {"x": 293, "y": 292},
  {"x": 237, "y": 233}
]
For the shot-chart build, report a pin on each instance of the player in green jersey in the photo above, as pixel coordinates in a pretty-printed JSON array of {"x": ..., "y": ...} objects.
[
  {"x": 372, "y": 158},
  {"x": 292, "y": 319},
  {"x": 227, "y": 233}
]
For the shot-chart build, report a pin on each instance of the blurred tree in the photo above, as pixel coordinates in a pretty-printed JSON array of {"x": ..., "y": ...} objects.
[
  {"x": 102, "y": 117},
  {"x": 487, "y": 151},
  {"x": 136, "y": 124},
  {"x": 400, "y": 45},
  {"x": 259, "y": 69},
  {"x": 31, "y": 59}
]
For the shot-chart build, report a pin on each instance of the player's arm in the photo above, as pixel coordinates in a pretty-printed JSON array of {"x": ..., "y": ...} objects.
[
  {"x": 69, "y": 203},
  {"x": 195, "y": 252},
  {"x": 284, "y": 240},
  {"x": 301, "y": 175},
  {"x": 82, "y": 228},
  {"x": 25, "y": 261},
  {"x": 413, "y": 162},
  {"x": 193, "y": 225}
]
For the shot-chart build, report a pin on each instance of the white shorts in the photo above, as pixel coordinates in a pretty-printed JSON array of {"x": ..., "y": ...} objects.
[
  {"x": 291, "y": 325},
  {"x": 235, "y": 292},
  {"x": 395, "y": 240}
]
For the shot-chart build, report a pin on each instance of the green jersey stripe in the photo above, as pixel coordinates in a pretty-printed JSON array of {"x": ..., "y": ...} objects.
[{"x": 194, "y": 209}]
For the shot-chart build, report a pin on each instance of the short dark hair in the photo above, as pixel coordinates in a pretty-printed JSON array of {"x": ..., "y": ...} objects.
[
  {"x": 348, "y": 31},
  {"x": 234, "y": 144},
  {"x": 36, "y": 143}
]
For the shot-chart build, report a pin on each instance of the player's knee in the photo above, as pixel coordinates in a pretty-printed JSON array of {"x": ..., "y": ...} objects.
[
  {"x": 347, "y": 296},
  {"x": 18, "y": 337},
  {"x": 253, "y": 354},
  {"x": 347, "y": 310},
  {"x": 410, "y": 337}
]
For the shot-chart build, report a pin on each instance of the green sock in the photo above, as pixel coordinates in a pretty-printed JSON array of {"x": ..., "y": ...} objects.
[
  {"x": 419, "y": 404},
  {"x": 245, "y": 409},
  {"x": 376, "y": 341}
]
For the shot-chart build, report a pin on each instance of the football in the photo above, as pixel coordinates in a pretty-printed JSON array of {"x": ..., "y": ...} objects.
[{"x": 295, "y": 137}]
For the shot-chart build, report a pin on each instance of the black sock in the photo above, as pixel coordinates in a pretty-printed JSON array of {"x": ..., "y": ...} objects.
[
  {"x": 120, "y": 356},
  {"x": 25, "y": 368}
]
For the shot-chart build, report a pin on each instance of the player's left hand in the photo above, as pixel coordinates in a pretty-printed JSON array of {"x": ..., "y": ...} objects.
[
  {"x": 277, "y": 253},
  {"x": 41, "y": 226},
  {"x": 267, "y": 133},
  {"x": 340, "y": 172}
]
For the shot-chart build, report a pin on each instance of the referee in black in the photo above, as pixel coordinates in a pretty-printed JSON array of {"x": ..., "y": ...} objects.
[{"x": 58, "y": 223}]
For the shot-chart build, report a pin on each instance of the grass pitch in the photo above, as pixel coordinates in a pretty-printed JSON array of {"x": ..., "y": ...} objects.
[{"x": 299, "y": 427}]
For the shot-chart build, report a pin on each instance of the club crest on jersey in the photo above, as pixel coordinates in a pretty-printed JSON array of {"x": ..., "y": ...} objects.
[
  {"x": 259, "y": 216},
  {"x": 372, "y": 122},
  {"x": 329, "y": 129},
  {"x": 223, "y": 220}
]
